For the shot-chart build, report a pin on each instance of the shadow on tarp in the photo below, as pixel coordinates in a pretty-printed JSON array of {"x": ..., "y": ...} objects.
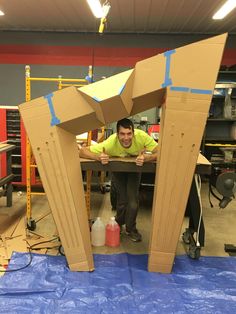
[{"x": 120, "y": 284}]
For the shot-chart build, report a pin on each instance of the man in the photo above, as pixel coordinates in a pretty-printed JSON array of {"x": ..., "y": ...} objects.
[{"x": 126, "y": 142}]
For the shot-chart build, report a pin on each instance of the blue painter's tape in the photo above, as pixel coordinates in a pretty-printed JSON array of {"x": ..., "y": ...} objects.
[
  {"x": 168, "y": 80},
  {"x": 54, "y": 120},
  {"x": 121, "y": 90},
  {"x": 201, "y": 91},
  {"x": 179, "y": 89},
  {"x": 96, "y": 99}
]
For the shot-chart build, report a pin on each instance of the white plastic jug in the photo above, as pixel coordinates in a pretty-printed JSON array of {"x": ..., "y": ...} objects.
[{"x": 98, "y": 233}]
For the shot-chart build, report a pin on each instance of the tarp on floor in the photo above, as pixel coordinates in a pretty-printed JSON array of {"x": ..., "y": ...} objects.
[{"x": 119, "y": 284}]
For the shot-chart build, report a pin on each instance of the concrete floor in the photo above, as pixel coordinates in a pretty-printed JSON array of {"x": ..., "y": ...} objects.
[{"x": 219, "y": 223}]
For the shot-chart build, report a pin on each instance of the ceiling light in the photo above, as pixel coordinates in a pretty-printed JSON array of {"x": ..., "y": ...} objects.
[
  {"x": 1, "y": 13},
  {"x": 224, "y": 10},
  {"x": 98, "y": 10}
]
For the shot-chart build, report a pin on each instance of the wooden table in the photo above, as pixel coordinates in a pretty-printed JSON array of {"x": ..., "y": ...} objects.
[{"x": 128, "y": 165}]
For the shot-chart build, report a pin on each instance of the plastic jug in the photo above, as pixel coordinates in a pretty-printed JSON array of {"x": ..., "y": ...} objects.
[
  {"x": 98, "y": 233},
  {"x": 112, "y": 233}
]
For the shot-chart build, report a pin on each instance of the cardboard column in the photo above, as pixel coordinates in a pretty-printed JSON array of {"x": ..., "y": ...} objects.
[
  {"x": 183, "y": 121},
  {"x": 51, "y": 123}
]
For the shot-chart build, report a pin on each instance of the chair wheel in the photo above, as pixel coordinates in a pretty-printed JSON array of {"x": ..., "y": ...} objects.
[{"x": 31, "y": 225}]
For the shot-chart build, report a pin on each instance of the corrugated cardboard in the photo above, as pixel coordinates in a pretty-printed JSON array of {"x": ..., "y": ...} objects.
[
  {"x": 186, "y": 78},
  {"x": 112, "y": 95},
  {"x": 183, "y": 122},
  {"x": 180, "y": 146},
  {"x": 56, "y": 154}
]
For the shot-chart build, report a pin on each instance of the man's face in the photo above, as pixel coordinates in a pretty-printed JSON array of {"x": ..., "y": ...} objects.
[{"x": 125, "y": 137}]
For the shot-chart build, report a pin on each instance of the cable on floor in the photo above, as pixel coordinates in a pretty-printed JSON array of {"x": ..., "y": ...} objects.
[{"x": 30, "y": 256}]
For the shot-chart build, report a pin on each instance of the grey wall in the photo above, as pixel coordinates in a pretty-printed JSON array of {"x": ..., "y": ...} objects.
[
  {"x": 12, "y": 79},
  {"x": 109, "y": 40},
  {"x": 12, "y": 76}
]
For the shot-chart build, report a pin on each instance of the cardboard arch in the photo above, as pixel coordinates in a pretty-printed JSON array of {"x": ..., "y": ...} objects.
[{"x": 182, "y": 81}]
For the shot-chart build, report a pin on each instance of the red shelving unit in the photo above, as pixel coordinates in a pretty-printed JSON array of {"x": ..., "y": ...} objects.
[{"x": 13, "y": 131}]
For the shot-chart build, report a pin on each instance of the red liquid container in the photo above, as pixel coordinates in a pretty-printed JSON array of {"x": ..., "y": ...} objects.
[{"x": 112, "y": 233}]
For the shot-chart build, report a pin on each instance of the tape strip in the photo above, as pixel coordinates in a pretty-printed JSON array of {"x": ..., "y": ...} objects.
[
  {"x": 54, "y": 120},
  {"x": 179, "y": 89},
  {"x": 121, "y": 90},
  {"x": 191, "y": 90},
  {"x": 168, "y": 80},
  {"x": 96, "y": 99},
  {"x": 201, "y": 91}
]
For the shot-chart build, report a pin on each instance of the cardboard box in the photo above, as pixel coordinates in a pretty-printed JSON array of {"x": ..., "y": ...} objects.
[{"x": 185, "y": 79}]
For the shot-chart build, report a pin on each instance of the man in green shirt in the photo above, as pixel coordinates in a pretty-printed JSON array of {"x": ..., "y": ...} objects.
[{"x": 126, "y": 142}]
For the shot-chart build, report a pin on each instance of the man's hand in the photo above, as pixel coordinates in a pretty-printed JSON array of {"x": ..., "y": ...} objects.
[
  {"x": 103, "y": 157},
  {"x": 141, "y": 158}
]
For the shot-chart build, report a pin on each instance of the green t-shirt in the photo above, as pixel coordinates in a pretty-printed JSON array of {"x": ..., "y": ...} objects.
[{"x": 113, "y": 147}]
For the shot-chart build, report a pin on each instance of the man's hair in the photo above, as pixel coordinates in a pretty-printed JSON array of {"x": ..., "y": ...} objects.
[{"x": 125, "y": 123}]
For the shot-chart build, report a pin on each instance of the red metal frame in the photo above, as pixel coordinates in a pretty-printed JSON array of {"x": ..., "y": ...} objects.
[{"x": 3, "y": 137}]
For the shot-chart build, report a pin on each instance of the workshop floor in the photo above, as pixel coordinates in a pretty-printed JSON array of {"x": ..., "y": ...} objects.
[{"x": 219, "y": 223}]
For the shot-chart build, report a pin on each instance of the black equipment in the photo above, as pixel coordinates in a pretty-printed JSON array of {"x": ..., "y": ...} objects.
[{"x": 224, "y": 181}]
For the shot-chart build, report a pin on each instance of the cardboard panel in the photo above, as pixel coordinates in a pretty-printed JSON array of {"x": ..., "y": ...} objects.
[
  {"x": 61, "y": 107},
  {"x": 112, "y": 95},
  {"x": 56, "y": 154},
  {"x": 149, "y": 75},
  {"x": 180, "y": 141},
  {"x": 107, "y": 88},
  {"x": 193, "y": 66},
  {"x": 201, "y": 63},
  {"x": 148, "y": 101},
  {"x": 161, "y": 261}
]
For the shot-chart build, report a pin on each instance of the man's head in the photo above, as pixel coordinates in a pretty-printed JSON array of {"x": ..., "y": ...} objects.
[{"x": 125, "y": 132}]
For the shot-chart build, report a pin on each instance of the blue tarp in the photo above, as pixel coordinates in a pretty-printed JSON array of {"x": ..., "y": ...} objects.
[{"x": 119, "y": 284}]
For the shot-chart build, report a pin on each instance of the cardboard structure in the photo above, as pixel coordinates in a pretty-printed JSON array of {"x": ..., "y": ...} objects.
[{"x": 182, "y": 81}]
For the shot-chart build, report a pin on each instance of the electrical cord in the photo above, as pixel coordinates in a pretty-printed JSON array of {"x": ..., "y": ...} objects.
[
  {"x": 212, "y": 192},
  {"x": 61, "y": 250},
  {"x": 12, "y": 270},
  {"x": 198, "y": 186},
  {"x": 30, "y": 256},
  {"x": 209, "y": 194}
]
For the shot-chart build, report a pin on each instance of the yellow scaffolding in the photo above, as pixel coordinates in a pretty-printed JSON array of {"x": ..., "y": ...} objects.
[{"x": 62, "y": 82}]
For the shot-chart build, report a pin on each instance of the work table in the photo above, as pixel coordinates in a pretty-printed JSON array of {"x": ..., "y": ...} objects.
[{"x": 128, "y": 165}]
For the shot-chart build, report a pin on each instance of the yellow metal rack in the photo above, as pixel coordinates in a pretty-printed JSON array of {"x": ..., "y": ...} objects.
[{"x": 62, "y": 82}]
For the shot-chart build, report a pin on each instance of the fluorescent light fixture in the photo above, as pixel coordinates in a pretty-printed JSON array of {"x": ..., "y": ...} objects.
[
  {"x": 98, "y": 10},
  {"x": 106, "y": 8},
  {"x": 224, "y": 10},
  {"x": 1, "y": 13}
]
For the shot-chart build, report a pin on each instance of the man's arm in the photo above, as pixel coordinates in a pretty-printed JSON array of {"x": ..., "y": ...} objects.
[
  {"x": 142, "y": 157},
  {"x": 152, "y": 156},
  {"x": 85, "y": 152}
]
